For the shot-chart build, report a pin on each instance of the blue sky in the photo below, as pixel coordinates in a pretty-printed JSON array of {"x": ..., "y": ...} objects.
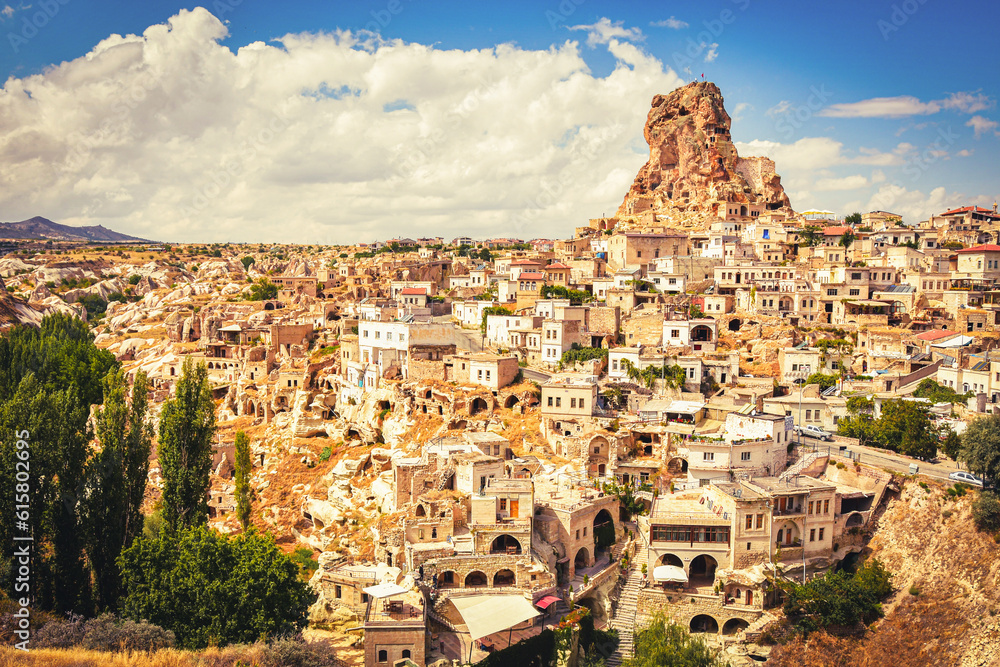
[{"x": 513, "y": 117}]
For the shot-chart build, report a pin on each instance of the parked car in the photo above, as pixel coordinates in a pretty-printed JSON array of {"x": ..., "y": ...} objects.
[
  {"x": 965, "y": 478},
  {"x": 811, "y": 431}
]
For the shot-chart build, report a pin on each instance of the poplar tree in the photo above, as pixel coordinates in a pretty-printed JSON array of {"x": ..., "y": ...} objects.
[
  {"x": 116, "y": 477},
  {"x": 243, "y": 479},
  {"x": 187, "y": 425}
]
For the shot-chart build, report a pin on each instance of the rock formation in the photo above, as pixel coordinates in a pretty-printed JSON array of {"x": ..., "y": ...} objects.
[{"x": 693, "y": 165}]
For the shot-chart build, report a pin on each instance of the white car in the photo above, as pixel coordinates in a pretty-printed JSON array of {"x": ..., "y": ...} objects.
[
  {"x": 813, "y": 432},
  {"x": 965, "y": 477}
]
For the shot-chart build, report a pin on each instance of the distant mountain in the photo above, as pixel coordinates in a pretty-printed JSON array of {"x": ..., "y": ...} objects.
[{"x": 43, "y": 228}]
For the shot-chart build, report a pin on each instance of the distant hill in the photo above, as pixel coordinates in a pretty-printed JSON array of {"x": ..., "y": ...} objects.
[{"x": 43, "y": 228}]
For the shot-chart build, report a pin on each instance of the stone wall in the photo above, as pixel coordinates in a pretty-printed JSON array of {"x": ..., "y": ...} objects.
[
  {"x": 605, "y": 320},
  {"x": 682, "y": 608}
]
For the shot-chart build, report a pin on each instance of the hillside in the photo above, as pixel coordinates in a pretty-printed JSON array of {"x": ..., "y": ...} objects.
[
  {"x": 929, "y": 543},
  {"x": 43, "y": 228}
]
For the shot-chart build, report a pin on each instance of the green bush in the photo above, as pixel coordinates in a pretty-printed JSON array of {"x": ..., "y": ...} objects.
[
  {"x": 325, "y": 454},
  {"x": 986, "y": 511}
]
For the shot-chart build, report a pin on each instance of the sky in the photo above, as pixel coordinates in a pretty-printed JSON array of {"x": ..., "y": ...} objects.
[{"x": 343, "y": 122}]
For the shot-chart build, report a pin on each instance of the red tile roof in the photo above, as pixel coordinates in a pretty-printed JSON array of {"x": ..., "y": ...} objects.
[
  {"x": 966, "y": 209},
  {"x": 531, "y": 275},
  {"x": 937, "y": 334},
  {"x": 556, "y": 265},
  {"x": 413, "y": 290},
  {"x": 835, "y": 231},
  {"x": 986, "y": 247},
  {"x": 518, "y": 262}
]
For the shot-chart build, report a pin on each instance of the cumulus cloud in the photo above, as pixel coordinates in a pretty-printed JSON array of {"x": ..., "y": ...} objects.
[
  {"x": 853, "y": 182},
  {"x": 713, "y": 52},
  {"x": 738, "y": 110},
  {"x": 814, "y": 153},
  {"x": 982, "y": 125},
  {"x": 7, "y": 11},
  {"x": 907, "y": 105},
  {"x": 604, "y": 31},
  {"x": 672, "y": 23},
  {"x": 965, "y": 152},
  {"x": 323, "y": 138}
]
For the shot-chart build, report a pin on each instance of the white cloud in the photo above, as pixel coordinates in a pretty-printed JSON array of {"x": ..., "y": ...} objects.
[
  {"x": 7, "y": 11},
  {"x": 738, "y": 110},
  {"x": 907, "y": 105},
  {"x": 604, "y": 31},
  {"x": 966, "y": 152},
  {"x": 779, "y": 109},
  {"x": 328, "y": 138},
  {"x": 982, "y": 125},
  {"x": 913, "y": 205},
  {"x": 672, "y": 23},
  {"x": 713, "y": 52},
  {"x": 814, "y": 153},
  {"x": 846, "y": 183}
]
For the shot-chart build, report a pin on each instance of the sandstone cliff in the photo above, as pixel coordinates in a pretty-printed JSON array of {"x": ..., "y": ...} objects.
[{"x": 693, "y": 166}]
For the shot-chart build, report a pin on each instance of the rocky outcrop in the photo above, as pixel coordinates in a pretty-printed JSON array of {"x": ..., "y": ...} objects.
[{"x": 693, "y": 165}]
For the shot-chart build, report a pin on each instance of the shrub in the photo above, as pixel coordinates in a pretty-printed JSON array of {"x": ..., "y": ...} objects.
[
  {"x": 297, "y": 653},
  {"x": 325, "y": 454},
  {"x": 986, "y": 511},
  {"x": 914, "y": 591},
  {"x": 104, "y": 633}
]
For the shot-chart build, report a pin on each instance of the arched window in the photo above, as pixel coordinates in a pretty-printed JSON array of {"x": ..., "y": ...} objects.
[
  {"x": 406, "y": 653},
  {"x": 383, "y": 656}
]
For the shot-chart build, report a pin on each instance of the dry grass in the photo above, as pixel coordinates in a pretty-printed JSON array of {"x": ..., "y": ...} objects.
[{"x": 232, "y": 656}]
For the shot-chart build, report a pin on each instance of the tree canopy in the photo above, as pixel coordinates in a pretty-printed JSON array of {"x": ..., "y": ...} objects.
[
  {"x": 263, "y": 290},
  {"x": 242, "y": 455},
  {"x": 187, "y": 424},
  {"x": 981, "y": 448},
  {"x": 665, "y": 644},
  {"x": 903, "y": 426},
  {"x": 838, "y": 598},
  {"x": 210, "y": 589}
]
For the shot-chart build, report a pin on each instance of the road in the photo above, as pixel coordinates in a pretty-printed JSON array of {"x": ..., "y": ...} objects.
[
  {"x": 536, "y": 375},
  {"x": 885, "y": 459}
]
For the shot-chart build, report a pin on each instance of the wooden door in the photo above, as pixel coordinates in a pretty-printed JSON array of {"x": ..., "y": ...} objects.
[
  {"x": 513, "y": 508},
  {"x": 749, "y": 597}
]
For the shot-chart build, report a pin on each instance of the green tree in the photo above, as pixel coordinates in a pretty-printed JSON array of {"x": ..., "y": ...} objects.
[
  {"x": 824, "y": 380},
  {"x": 486, "y": 255},
  {"x": 116, "y": 474},
  {"x": 247, "y": 262},
  {"x": 665, "y": 644},
  {"x": 906, "y": 427},
  {"x": 846, "y": 240},
  {"x": 951, "y": 444},
  {"x": 853, "y": 219},
  {"x": 981, "y": 448},
  {"x": 810, "y": 236},
  {"x": 938, "y": 393},
  {"x": 187, "y": 425},
  {"x": 213, "y": 590},
  {"x": 986, "y": 511},
  {"x": 263, "y": 290},
  {"x": 838, "y": 598},
  {"x": 243, "y": 479}
]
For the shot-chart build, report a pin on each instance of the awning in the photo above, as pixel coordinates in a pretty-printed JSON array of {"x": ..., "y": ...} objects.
[
  {"x": 546, "y": 601},
  {"x": 386, "y": 590},
  {"x": 670, "y": 573},
  {"x": 486, "y": 614}
]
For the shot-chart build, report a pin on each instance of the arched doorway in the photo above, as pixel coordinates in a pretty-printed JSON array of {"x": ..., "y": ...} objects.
[
  {"x": 735, "y": 324},
  {"x": 855, "y": 520},
  {"x": 582, "y": 559},
  {"x": 475, "y": 579},
  {"x": 734, "y": 625},
  {"x": 704, "y": 623},
  {"x": 702, "y": 572},
  {"x": 677, "y": 466},
  {"x": 670, "y": 559},
  {"x": 511, "y": 401},
  {"x": 446, "y": 579},
  {"x": 505, "y": 544},
  {"x": 477, "y": 405},
  {"x": 604, "y": 532},
  {"x": 503, "y": 578}
]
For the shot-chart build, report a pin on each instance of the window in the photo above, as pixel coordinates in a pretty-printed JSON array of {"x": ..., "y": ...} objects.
[
  {"x": 503, "y": 504},
  {"x": 708, "y": 456},
  {"x": 378, "y": 334},
  {"x": 406, "y": 653},
  {"x": 577, "y": 533},
  {"x": 487, "y": 375},
  {"x": 760, "y": 520},
  {"x": 810, "y": 507},
  {"x": 550, "y": 401},
  {"x": 597, "y": 450},
  {"x": 821, "y": 530},
  {"x": 675, "y": 333},
  {"x": 558, "y": 402},
  {"x": 831, "y": 291},
  {"x": 808, "y": 415},
  {"x": 581, "y": 404},
  {"x": 744, "y": 456},
  {"x": 584, "y": 531},
  {"x": 855, "y": 292},
  {"x": 638, "y": 253},
  {"x": 748, "y": 546},
  {"x": 338, "y": 591},
  {"x": 572, "y": 402},
  {"x": 749, "y": 521},
  {"x": 383, "y": 655},
  {"x": 480, "y": 374},
  {"x": 812, "y": 534},
  {"x": 826, "y": 507}
]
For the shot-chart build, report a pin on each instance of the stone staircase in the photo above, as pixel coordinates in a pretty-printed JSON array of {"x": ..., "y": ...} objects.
[
  {"x": 624, "y": 617},
  {"x": 758, "y": 627},
  {"x": 801, "y": 465}
]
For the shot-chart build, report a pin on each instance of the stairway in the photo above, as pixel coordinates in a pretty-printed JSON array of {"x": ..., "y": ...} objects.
[
  {"x": 624, "y": 617},
  {"x": 760, "y": 625}
]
